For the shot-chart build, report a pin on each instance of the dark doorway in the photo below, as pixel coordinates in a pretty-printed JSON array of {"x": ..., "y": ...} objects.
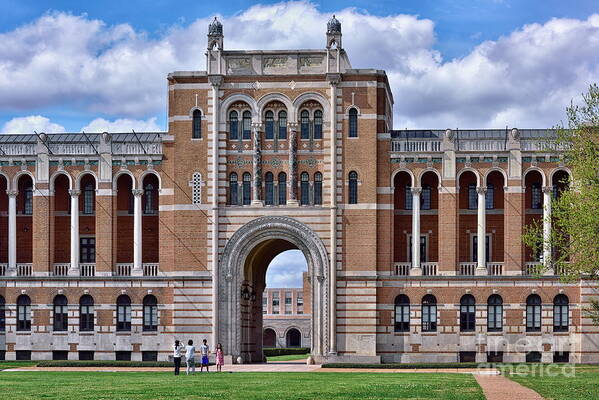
[
  {"x": 269, "y": 338},
  {"x": 294, "y": 338}
]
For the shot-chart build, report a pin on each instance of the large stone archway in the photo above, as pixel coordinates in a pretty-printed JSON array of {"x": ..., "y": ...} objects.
[{"x": 238, "y": 257}]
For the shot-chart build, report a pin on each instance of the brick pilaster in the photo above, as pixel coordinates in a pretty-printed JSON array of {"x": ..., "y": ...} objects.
[
  {"x": 104, "y": 229},
  {"x": 513, "y": 224},
  {"x": 448, "y": 234},
  {"x": 41, "y": 230}
]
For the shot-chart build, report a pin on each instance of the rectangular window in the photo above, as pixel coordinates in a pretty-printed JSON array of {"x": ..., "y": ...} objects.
[
  {"x": 472, "y": 197},
  {"x": 86, "y": 318},
  {"x": 402, "y": 318},
  {"x": 467, "y": 356},
  {"x": 23, "y": 355},
  {"x": 86, "y": 355},
  {"x": 495, "y": 356},
  {"x": 423, "y": 248},
  {"x": 536, "y": 197},
  {"x": 408, "y": 197},
  {"x": 264, "y": 303},
  {"x": 87, "y": 250},
  {"x": 60, "y": 355},
  {"x": 122, "y": 355},
  {"x": 494, "y": 318},
  {"x": 533, "y": 357},
  {"x": 429, "y": 318},
  {"x": 474, "y": 247},
  {"x": 533, "y": 318},
  {"x": 425, "y": 199},
  {"x": 490, "y": 197},
  {"x": 123, "y": 318},
  {"x": 561, "y": 357},
  {"x": 23, "y": 318},
  {"x": 275, "y": 302},
  {"x": 149, "y": 356}
]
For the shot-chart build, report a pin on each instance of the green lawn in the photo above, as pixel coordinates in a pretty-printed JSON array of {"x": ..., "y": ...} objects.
[
  {"x": 288, "y": 357},
  {"x": 583, "y": 385},
  {"x": 273, "y": 386}
]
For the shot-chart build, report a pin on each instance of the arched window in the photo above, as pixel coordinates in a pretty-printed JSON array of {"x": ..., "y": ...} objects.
[
  {"x": 247, "y": 188},
  {"x": 317, "y": 124},
  {"x": 353, "y": 122},
  {"x": 233, "y": 194},
  {"x": 86, "y": 313},
  {"x": 282, "y": 124},
  {"x": 426, "y": 197},
  {"x": 533, "y": 313},
  {"x": 402, "y": 313},
  {"x": 495, "y": 313},
  {"x": 282, "y": 188},
  {"x": 561, "y": 318},
  {"x": 196, "y": 188},
  {"x": 233, "y": 125},
  {"x": 269, "y": 198},
  {"x": 23, "y": 313},
  {"x": 536, "y": 196},
  {"x": 472, "y": 197},
  {"x": 467, "y": 313},
  {"x": 28, "y": 199},
  {"x": 149, "y": 193},
  {"x": 353, "y": 187},
  {"x": 247, "y": 125},
  {"x": 269, "y": 126},
  {"x": 197, "y": 125},
  {"x": 490, "y": 197},
  {"x": 409, "y": 199},
  {"x": 88, "y": 198},
  {"x": 305, "y": 125},
  {"x": 305, "y": 189},
  {"x": 2, "y": 314},
  {"x": 318, "y": 188},
  {"x": 61, "y": 313},
  {"x": 429, "y": 313},
  {"x": 150, "y": 313},
  {"x": 123, "y": 313}
]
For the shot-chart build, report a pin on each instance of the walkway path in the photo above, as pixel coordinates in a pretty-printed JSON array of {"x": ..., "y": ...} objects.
[{"x": 498, "y": 387}]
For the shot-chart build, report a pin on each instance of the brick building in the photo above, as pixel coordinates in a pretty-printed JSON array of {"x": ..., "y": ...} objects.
[
  {"x": 113, "y": 245},
  {"x": 286, "y": 316}
]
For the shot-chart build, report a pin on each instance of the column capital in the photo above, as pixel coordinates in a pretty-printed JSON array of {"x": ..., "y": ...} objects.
[
  {"x": 137, "y": 192},
  {"x": 215, "y": 80},
  {"x": 74, "y": 193},
  {"x": 416, "y": 190},
  {"x": 481, "y": 190},
  {"x": 292, "y": 126},
  {"x": 12, "y": 193},
  {"x": 547, "y": 189},
  {"x": 257, "y": 126}
]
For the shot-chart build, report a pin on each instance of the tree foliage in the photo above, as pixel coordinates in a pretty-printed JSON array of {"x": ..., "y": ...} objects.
[{"x": 574, "y": 234}]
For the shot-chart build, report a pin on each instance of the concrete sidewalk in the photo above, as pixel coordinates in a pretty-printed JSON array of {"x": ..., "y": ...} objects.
[{"x": 498, "y": 387}]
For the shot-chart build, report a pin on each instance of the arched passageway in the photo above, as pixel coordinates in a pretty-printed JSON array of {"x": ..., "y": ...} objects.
[{"x": 293, "y": 338}]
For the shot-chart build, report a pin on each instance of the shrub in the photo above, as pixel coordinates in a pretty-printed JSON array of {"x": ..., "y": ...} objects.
[
  {"x": 104, "y": 363},
  {"x": 272, "y": 352},
  {"x": 402, "y": 366}
]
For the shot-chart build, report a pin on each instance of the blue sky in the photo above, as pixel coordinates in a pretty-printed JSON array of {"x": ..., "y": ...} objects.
[{"x": 73, "y": 65}]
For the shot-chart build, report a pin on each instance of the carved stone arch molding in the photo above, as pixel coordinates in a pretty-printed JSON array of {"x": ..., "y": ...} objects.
[{"x": 232, "y": 263}]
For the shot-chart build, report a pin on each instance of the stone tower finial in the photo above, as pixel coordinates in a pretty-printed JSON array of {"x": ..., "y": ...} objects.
[
  {"x": 334, "y": 26},
  {"x": 333, "y": 33},
  {"x": 215, "y": 35}
]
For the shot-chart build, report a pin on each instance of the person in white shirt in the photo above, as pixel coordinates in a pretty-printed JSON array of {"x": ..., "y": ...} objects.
[
  {"x": 190, "y": 354},
  {"x": 177, "y": 356},
  {"x": 204, "y": 351}
]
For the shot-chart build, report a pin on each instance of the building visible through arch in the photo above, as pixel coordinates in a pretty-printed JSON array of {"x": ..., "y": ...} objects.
[{"x": 293, "y": 149}]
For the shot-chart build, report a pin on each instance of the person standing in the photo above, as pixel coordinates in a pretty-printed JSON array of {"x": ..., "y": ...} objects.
[
  {"x": 204, "y": 351},
  {"x": 190, "y": 354},
  {"x": 220, "y": 357},
  {"x": 177, "y": 356}
]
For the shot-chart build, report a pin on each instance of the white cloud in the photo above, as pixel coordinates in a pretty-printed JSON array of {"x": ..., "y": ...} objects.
[
  {"x": 30, "y": 124},
  {"x": 122, "y": 125},
  {"x": 286, "y": 270},
  {"x": 523, "y": 79}
]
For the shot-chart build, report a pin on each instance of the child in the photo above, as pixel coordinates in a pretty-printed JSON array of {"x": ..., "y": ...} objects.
[
  {"x": 204, "y": 350},
  {"x": 190, "y": 357},
  {"x": 220, "y": 357},
  {"x": 177, "y": 356}
]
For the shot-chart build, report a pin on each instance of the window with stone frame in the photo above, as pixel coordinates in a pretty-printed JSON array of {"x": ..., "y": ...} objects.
[
  {"x": 429, "y": 313},
  {"x": 353, "y": 122},
  {"x": 88, "y": 198},
  {"x": 533, "y": 313},
  {"x": 304, "y": 189},
  {"x": 561, "y": 313},
  {"x": 495, "y": 313},
  {"x": 467, "y": 313},
  {"x": 317, "y": 188},
  {"x": 353, "y": 187},
  {"x": 150, "y": 313},
  {"x": 247, "y": 125},
  {"x": 86, "y": 313},
  {"x": 196, "y": 188},
  {"x": 233, "y": 125},
  {"x": 282, "y": 188},
  {"x": 23, "y": 313},
  {"x": 123, "y": 313},
  {"x": 60, "y": 313},
  {"x": 196, "y": 125},
  {"x": 402, "y": 313},
  {"x": 269, "y": 125},
  {"x": 247, "y": 189},
  {"x": 233, "y": 189}
]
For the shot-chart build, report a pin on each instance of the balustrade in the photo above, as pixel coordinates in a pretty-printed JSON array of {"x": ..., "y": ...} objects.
[
  {"x": 495, "y": 268},
  {"x": 429, "y": 268},
  {"x": 61, "y": 269},
  {"x": 467, "y": 268},
  {"x": 87, "y": 269},
  {"x": 25, "y": 269},
  {"x": 402, "y": 268}
]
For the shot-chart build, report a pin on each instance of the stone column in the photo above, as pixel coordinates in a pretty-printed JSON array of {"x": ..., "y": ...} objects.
[
  {"x": 137, "y": 234},
  {"x": 292, "y": 172},
  {"x": 257, "y": 166},
  {"x": 12, "y": 232},
  {"x": 416, "y": 267},
  {"x": 481, "y": 267},
  {"x": 547, "y": 191},
  {"x": 74, "y": 267},
  {"x": 215, "y": 82}
]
